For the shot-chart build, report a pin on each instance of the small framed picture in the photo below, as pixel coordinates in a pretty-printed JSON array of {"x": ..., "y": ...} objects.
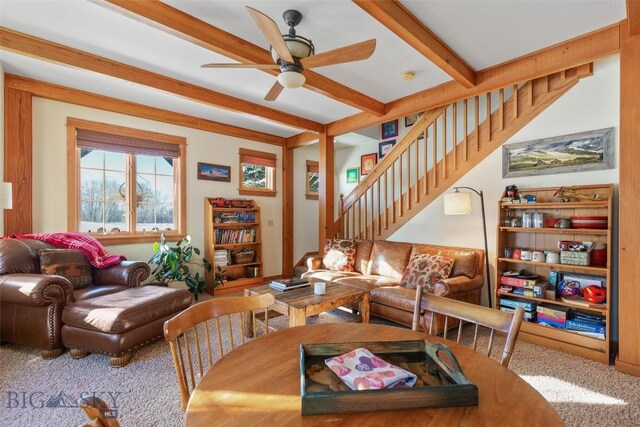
[
  {"x": 411, "y": 119},
  {"x": 367, "y": 163},
  {"x": 384, "y": 147},
  {"x": 389, "y": 129},
  {"x": 213, "y": 172},
  {"x": 353, "y": 175}
]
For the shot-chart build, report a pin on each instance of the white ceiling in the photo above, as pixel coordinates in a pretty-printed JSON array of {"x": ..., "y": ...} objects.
[{"x": 484, "y": 33}]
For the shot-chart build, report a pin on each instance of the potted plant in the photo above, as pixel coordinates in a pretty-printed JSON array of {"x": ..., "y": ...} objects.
[{"x": 173, "y": 263}]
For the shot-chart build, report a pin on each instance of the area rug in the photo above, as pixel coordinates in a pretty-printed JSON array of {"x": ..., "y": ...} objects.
[{"x": 38, "y": 392}]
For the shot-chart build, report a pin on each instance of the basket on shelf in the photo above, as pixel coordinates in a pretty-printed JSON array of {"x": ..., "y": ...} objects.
[{"x": 244, "y": 256}]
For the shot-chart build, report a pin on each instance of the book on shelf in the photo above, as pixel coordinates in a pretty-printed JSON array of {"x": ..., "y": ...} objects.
[
  {"x": 290, "y": 282},
  {"x": 229, "y": 236},
  {"x": 288, "y": 288}
]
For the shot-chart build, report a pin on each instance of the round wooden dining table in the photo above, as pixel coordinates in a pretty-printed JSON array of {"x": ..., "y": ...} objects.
[{"x": 259, "y": 384}]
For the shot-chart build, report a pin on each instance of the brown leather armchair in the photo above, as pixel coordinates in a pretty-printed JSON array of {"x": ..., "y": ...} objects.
[{"x": 31, "y": 303}]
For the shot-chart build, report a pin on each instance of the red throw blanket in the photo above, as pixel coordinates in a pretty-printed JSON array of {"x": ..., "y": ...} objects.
[{"x": 97, "y": 255}]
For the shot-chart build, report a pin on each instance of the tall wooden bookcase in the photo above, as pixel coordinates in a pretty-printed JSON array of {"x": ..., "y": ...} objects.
[
  {"x": 546, "y": 239},
  {"x": 233, "y": 225}
]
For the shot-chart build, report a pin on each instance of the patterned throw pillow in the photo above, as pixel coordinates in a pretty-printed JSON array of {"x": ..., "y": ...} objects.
[
  {"x": 426, "y": 269},
  {"x": 339, "y": 255},
  {"x": 68, "y": 263}
]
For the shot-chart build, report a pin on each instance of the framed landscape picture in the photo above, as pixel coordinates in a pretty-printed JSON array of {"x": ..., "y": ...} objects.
[
  {"x": 384, "y": 147},
  {"x": 389, "y": 129},
  {"x": 213, "y": 172},
  {"x": 576, "y": 152},
  {"x": 411, "y": 119},
  {"x": 367, "y": 163},
  {"x": 353, "y": 175}
]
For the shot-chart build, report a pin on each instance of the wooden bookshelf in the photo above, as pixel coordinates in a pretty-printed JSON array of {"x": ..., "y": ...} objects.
[{"x": 232, "y": 229}]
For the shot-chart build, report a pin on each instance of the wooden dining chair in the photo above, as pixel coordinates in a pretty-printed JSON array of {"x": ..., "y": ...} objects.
[
  {"x": 494, "y": 320},
  {"x": 187, "y": 343},
  {"x": 98, "y": 412}
]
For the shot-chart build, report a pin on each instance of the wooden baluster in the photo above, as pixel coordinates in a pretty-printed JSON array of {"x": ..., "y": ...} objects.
[
  {"x": 455, "y": 136},
  {"x": 530, "y": 95},
  {"x": 446, "y": 327},
  {"x": 386, "y": 194},
  {"x": 488, "y": 116},
  {"x": 545, "y": 84},
  {"x": 198, "y": 350},
  {"x": 493, "y": 331},
  {"x": 477, "y": 114},
  {"x": 425, "y": 134},
  {"x": 379, "y": 216},
  {"x": 409, "y": 177},
  {"x": 417, "y": 164},
  {"x": 360, "y": 217},
  {"x": 475, "y": 338},
  {"x": 466, "y": 130},
  {"x": 366, "y": 216},
  {"x": 393, "y": 192},
  {"x": 208, "y": 337},
  {"x": 435, "y": 152},
  {"x": 341, "y": 210},
  {"x": 501, "y": 109},
  {"x": 444, "y": 144},
  {"x": 514, "y": 96},
  {"x": 400, "y": 204}
]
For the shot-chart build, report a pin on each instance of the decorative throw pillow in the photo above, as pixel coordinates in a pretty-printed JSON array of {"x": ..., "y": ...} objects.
[
  {"x": 339, "y": 255},
  {"x": 426, "y": 269},
  {"x": 68, "y": 263}
]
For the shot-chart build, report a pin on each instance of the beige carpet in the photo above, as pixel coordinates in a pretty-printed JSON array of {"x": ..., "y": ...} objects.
[{"x": 36, "y": 392}]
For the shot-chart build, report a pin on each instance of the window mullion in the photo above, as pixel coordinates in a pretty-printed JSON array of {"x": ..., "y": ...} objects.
[{"x": 132, "y": 193}]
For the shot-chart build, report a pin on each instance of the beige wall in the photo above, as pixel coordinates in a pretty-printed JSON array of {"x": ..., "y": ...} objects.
[
  {"x": 50, "y": 177},
  {"x": 305, "y": 212},
  {"x": 2, "y": 142}
]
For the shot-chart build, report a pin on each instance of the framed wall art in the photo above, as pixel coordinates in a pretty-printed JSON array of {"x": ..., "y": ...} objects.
[
  {"x": 384, "y": 147},
  {"x": 353, "y": 175},
  {"x": 389, "y": 129},
  {"x": 411, "y": 119},
  {"x": 577, "y": 152},
  {"x": 213, "y": 172},
  {"x": 367, "y": 163}
]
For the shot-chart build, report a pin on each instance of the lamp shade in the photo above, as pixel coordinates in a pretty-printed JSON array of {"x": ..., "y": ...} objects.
[
  {"x": 291, "y": 79},
  {"x": 457, "y": 204},
  {"x": 6, "y": 197}
]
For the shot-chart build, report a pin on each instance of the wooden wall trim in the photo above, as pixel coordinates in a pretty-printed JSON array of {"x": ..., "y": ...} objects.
[
  {"x": 405, "y": 25},
  {"x": 628, "y": 359},
  {"x": 25, "y": 44},
  {"x": 287, "y": 212},
  {"x": 92, "y": 100},
  {"x": 327, "y": 190},
  {"x": 18, "y": 159},
  {"x": 180, "y": 24},
  {"x": 577, "y": 51},
  {"x": 633, "y": 17}
]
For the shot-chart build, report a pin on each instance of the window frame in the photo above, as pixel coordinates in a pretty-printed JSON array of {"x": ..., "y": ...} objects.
[
  {"x": 271, "y": 175},
  {"x": 73, "y": 183},
  {"x": 310, "y": 166}
]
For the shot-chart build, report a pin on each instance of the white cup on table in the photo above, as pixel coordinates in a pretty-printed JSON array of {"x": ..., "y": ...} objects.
[{"x": 319, "y": 288}]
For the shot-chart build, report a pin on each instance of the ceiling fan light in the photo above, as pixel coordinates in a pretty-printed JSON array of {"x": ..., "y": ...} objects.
[
  {"x": 291, "y": 79},
  {"x": 298, "y": 47}
]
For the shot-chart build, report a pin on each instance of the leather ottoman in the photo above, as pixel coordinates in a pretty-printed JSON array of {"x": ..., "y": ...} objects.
[{"x": 117, "y": 324}]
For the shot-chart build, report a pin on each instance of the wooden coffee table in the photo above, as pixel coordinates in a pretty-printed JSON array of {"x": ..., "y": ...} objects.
[{"x": 301, "y": 303}]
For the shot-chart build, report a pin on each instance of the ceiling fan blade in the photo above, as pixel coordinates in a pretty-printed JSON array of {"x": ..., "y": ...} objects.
[
  {"x": 353, "y": 52},
  {"x": 271, "y": 32},
  {"x": 274, "y": 92},
  {"x": 241, "y": 65}
]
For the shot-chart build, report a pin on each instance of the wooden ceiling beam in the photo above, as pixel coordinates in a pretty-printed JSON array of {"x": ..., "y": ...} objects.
[
  {"x": 405, "y": 25},
  {"x": 27, "y": 45},
  {"x": 302, "y": 140},
  {"x": 173, "y": 21},
  {"x": 577, "y": 51},
  {"x": 633, "y": 17},
  {"x": 88, "y": 99}
]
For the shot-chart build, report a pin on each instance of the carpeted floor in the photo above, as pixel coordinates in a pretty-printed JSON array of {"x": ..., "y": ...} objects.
[{"x": 36, "y": 392}]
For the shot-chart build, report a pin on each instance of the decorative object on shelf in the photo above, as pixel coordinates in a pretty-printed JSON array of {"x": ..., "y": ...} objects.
[
  {"x": 244, "y": 256},
  {"x": 460, "y": 204},
  {"x": 368, "y": 162},
  {"x": 212, "y": 172},
  {"x": 389, "y": 129},
  {"x": 566, "y": 194},
  {"x": 411, "y": 119},
  {"x": 591, "y": 222},
  {"x": 576, "y": 152},
  {"x": 563, "y": 223},
  {"x": 353, "y": 175},
  {"x": 173, "y": 265},
  {"x": 384, "y": 147}
]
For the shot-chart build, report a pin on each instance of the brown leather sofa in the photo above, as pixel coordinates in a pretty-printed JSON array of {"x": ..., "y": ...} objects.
[
  {"x": 379, "y": 267},
  {"x": 31, "y": 303}
]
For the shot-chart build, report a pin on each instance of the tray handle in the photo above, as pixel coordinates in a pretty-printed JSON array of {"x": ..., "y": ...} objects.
[{"x": 454, "y": 371}]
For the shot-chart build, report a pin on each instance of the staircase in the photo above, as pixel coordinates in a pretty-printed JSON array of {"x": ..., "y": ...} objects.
[{"x": 440, "y": 148}]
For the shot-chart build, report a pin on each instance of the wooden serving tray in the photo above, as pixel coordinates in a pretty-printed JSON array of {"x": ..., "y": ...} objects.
[{"x": 439, "y": 384}]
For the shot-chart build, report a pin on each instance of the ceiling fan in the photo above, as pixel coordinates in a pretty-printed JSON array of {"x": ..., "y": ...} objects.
[{"x": 292, "y": 54}]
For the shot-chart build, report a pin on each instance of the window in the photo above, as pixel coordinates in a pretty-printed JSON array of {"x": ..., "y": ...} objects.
[
  {"x": 125, "y": 185},
  {"x": 313, "y": 180},
  {"x": 257, "y": 173}
]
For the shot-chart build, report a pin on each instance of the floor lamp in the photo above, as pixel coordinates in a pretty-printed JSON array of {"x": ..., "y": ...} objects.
[{"x": 460, "y": 204}]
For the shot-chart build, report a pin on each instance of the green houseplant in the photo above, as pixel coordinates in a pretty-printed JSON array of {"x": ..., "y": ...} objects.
[{"x": 174, "y": 264}]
